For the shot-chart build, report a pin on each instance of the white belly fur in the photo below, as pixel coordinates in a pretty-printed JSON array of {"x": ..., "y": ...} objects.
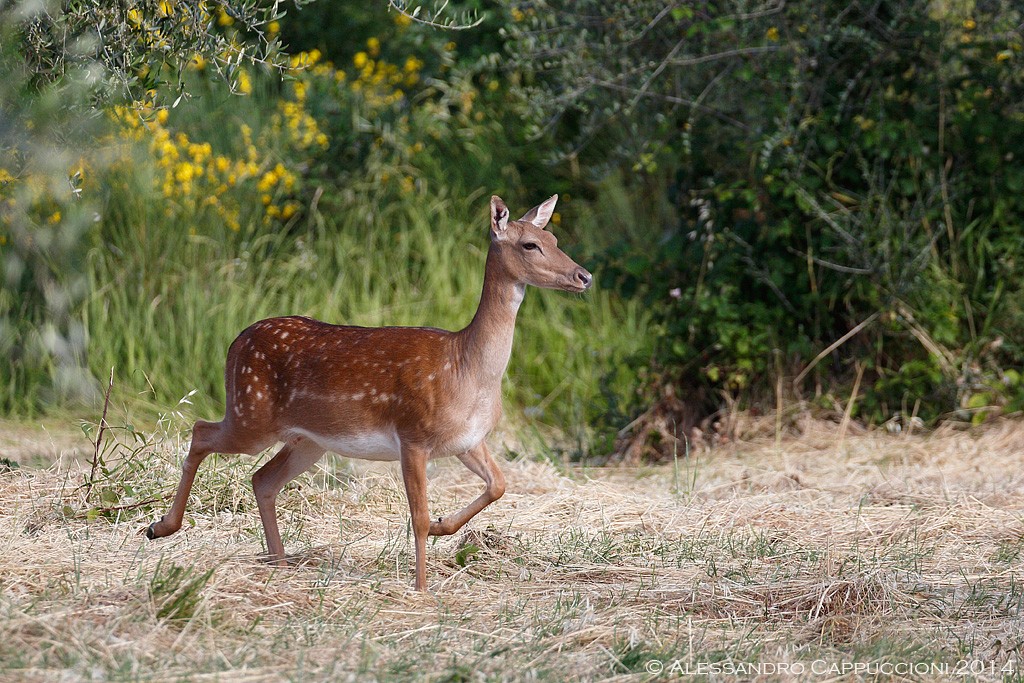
[
  {"x": 376, "y": 445},
  {"x": 384, "y": 445}
]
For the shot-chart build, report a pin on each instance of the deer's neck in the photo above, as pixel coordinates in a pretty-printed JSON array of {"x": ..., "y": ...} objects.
[{"x": 487, "y": 341}]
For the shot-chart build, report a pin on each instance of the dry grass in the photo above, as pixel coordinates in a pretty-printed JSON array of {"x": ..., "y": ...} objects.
[{"x": 895, "y": 550}]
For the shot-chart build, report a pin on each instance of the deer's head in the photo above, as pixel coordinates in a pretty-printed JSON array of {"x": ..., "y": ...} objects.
[{"x": 529, "y": 253}]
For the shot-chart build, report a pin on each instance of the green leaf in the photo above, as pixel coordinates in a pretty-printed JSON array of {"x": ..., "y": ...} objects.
[{"x": 465, "y": 554}]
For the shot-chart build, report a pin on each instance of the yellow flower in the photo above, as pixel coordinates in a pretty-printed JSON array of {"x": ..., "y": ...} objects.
[
  {"x": 244, "y": 83},
  {"x": 970, "y": 24},
  {"x": 274, "y": 27},
  {"x": 517, "y": 14},
  {"x": 54, "y": 217},
  {"x": 288, "y": 211},
  {"x": 556, "y": 218},
  {"x": 402, "y": 20},
  {"x": 412, "y": 65},
  {"x": 134, "y": 17},
  {"x": 198, "y": 62},
  {"x": 772, "y": 34},
  {"x": 359, "y": 60},
  {"x": 449, "y": 46},
  {"x": 184, "y": 172},
  {"x": 165, "y": 8},
  {"x": 223, "y": 18},
  {"x": 268, "y": 180},
  {"x": 373, "y": 45},
  {"x": 1004, "y": 55},
  {"x": 5, "y": 176}
]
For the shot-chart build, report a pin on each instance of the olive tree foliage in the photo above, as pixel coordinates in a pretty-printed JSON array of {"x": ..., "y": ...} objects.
[
  {"x": 140, "y": 49},
  {"x": 135, "y": 48}
]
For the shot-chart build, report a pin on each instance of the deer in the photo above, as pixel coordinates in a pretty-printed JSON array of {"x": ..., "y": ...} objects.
[{"x": 406, "y": 394}]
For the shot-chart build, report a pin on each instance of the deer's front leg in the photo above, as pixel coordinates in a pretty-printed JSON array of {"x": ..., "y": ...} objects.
[
  {"x": 479, "y": 460},
  {"x": 414, "y": 475}
]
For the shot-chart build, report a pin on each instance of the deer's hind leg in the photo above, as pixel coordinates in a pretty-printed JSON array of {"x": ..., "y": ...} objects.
[
  {"x": 207, "y": 438},
  {"x": 297, "y": 456}
]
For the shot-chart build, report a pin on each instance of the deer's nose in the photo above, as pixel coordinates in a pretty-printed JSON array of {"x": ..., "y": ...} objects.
[{"x": 584, "y": 278}]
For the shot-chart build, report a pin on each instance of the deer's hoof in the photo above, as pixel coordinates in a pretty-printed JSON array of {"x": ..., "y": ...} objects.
[{"x": 158, "y": 529}]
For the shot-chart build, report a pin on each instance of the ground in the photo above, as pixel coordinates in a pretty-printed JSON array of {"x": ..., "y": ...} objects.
[{"x": 807, "y": 558}]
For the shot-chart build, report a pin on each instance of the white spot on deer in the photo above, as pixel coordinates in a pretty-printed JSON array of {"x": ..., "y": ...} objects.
[
  {"x": 447, "y": 366},
  {"x": 366, "y": 384},
  {"x": 246, "y": 370},
  {"x": 373, "y": 392},
  {"x": 248, "y": 389},
  {"x": 284, "y": 335},
  {"x": 358, "y": 397},
  {"x": 430, "y": 377},
  {"x": 259, "y": 395},
  {"x": 238, "y": 410}
]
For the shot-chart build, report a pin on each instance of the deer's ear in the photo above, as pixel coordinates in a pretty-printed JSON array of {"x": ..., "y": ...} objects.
[
  {"x": 499, "y": 217},
  {"x": 541, "y": 214}
]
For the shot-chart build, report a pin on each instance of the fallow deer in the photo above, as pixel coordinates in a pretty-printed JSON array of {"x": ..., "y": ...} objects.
[{"x": 388, "y": 393}]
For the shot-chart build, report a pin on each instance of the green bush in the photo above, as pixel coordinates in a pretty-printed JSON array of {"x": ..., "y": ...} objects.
[{"x": 834, "y": 168}]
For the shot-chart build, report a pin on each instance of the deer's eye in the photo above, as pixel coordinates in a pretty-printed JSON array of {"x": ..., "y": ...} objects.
[{"x": 530, "y": 246}]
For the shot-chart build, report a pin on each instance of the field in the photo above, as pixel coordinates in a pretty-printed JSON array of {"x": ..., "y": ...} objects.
[{"x": 881, "y": 557}]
